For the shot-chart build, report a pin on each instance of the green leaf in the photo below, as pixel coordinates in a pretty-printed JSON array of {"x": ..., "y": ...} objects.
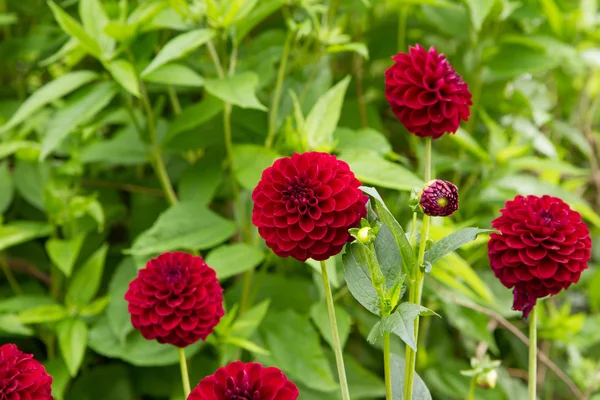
[
  {"x": 246, "y": 324},
  {"x": 194, "y": 116},
  {"x": 23, "y": 302},
  {"x": 135, "y": 349},
  {"x": 466, "y": 141},
  {"x": 452, "y": 242},
  {"x": 238, "y": 90},
  {"x": 358, "y": 278},
  {"x": 124, "y": 73},
  {"x": 388, "y": 256},
  {"x": 246, "y": 344},
  {"x": 86, "y": 280},
  {"x": 324, "y": 116},
  {"x": 175, "y": 74},
  {"x": 261, "y": 11},
  {"x": 355, "y": 47},
  {"x": 9, "y": 148},
  {"x": 12, "y": 325},
  {"x": 372, "y": 169},
  {"x": 74, "y": 28},
  {"x": 320, "y": 316},
  {"x": 249, "y": 162},
  {"x": 200, "y": 182},
  {"x": 186, "y": 226},
  {"x": 365, "y": 139},
  {"x": 178, "y": 47},
  {"x": 554, "y": 15},
  {"x": 479, "y": 10},
  {"x": 303, "y": 361},
  {"x": 30, "y": 178},
  {"x": 330, "y": 264},
  {"x": 57, "y": 369},
  {"x": 72, "y": 340},
  {"x": 79, "y": 111},
  {"x": 513, "y": 60},
  {"x": 119, "y": 319},
  {"x": 7, "y": 189},
  {"x": 124, "y": 148},
  {"x": 400, "y": 323},
  {"x": 63, "y": 252},
  {"x": 48, "y": 93},
  {"x": 17, "y": 232},
  {"x": 95, "y": 307},
  {"x": 420, "y": 391},
  {"x": 42, "y": 314},
  {"x": 408, "y": 255},
  {"x": 232, "y": 259},
  {"x": 94, "y": 21}
]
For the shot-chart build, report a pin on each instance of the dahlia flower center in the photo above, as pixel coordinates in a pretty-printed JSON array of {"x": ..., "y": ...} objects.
[
  {"x": 241, "y": 390},
  {"x": 546, "y": 216},
  {"x": 174, "y": 274},
  {"x": 300, "y": 195},
  {"x": 442, "y": 201}
]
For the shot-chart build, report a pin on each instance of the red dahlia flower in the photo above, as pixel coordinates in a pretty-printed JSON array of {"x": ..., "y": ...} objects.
[
  {"x": 305, "y": 204},
  {"x": 439, "y": 198},
  {"x": 426, "y": 93},
  {"x": 22, "y": 377},
  {"x": 542, "y": 248},
  {"x": 250, "y": 381},
  {"x": 176, "y": 299}
]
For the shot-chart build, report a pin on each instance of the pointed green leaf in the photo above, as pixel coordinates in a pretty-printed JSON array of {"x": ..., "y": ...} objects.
[
  {"x": 358, "y": 278},
  {"x": 7, "y": 189},
  {"x": 373, "y": 169},
  {"x": 124, "y": 74},
  {"x": 452, "y": 242},
  {"x": 320, "y": 316},
  {"x": 420, "y": 391},
  {"x": 324, "y": 116},
  {"x": 18, "y": 232},
  {"x": 178, "y": 47},
  {"x": 400, "y": 323},
  {"x": 86, "y": 280},
  {"x": 238, "y": 90},
  {"x": 72, "y": 340},
  {"x": 232, "y": 259},
  {"x": 175, "y": 74},
  {"x": 48, "y": 93},
  {"x": 74, "y": 28},
  {"x": 94, "y": 21},
  {"x": 63, "y": 252},
  {"x": 42, "y": 314}
]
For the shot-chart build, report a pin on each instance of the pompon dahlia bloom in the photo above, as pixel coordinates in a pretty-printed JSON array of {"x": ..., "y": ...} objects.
[
  {"x": 250, "y": 381},
  {"x": 305, "y": 204},
  {"x": 542, "y": 248},
  {"x": 426, "y": 93},
  {"x": 22, "y": 377},
  {"x": 439, "y": 198},
  {"x": 175, "y": 299}
]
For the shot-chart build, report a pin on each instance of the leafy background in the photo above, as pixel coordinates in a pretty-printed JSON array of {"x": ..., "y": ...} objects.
[{"x": 100, "y": 100}]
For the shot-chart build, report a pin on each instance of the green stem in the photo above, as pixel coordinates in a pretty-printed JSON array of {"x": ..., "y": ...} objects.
[
  {"x": 387, "y": 365},
  {"x": 416, "y": 285},
  {"x": 532, "y": 354},
  {"x": 10, "y": 277},
  {"x": 159, "y": 164},
  {"x": 174, "y": 100},
  {"x": 472, "y": 388},
  {"x": 337, "y": 346},
  {"x": 185, "y": 377},
  {"x": 277, "y": 94},
  {"x": 402, "y": 16},
  {"x": 413, "y": 233}
]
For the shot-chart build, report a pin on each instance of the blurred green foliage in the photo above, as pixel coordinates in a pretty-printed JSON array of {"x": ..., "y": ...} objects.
[{"x": 106, "y": 105}]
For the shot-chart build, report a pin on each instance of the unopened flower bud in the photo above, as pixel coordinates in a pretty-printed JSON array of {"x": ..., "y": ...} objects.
[
  {"x": 439, "y": 198},
  {"x": 487, "y": 380},
  {"x": 364, "y": 235}
]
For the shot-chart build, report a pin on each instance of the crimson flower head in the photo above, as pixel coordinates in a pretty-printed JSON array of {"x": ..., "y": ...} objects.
[
  {"x": 305, "y": 204},
  {"x": 250, "y": 381},
  {"x": 22, "y": 377},
  {"x": 542, "y": 248},
  {"x": 175, "y": 299},
  {"x": 426, "y": 93},
  {"x": 439, "y": 198}
]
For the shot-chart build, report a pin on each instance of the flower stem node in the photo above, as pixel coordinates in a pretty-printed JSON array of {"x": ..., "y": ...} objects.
[
  {"x": 487, "y": 380},
  {"x": 438, "y": 198}
]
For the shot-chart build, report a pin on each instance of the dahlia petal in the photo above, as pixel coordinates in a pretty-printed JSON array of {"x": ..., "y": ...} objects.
[{"x": 306, "y": 223}]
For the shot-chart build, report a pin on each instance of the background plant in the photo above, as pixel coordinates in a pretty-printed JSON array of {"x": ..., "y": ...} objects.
[{"x": 134, "y": 128}]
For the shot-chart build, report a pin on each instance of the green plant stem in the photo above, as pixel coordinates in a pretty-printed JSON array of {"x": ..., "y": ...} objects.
[
  {"x": 10, "y": 277},
  {"x": 185, "y": 377},
  {"x": 174, "y": 100},
  {"x": 416, "y": 285},
  {"x": 387, "y": 365},
  {"x": 402, "y": 16},
  {"x": 532, "y": 382},
  {"x": 277, "y": 94},
  {"x": 337, "y": 346},
  {"x": 472, "y": 388},
  {"x": 159, "y": 164}
]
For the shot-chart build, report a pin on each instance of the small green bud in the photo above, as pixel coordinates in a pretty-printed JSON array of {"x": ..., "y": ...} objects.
[
  {"x": 487, "y": 380},
  {"x": 364, "y": 235}
]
